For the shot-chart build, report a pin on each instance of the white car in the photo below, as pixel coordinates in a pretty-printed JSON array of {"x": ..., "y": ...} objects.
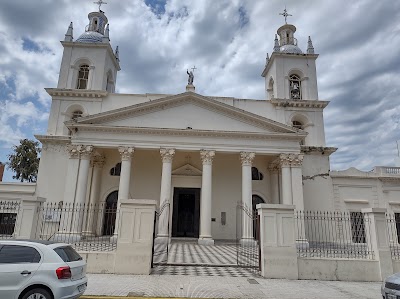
[
  {"x": 40, "y": 270},
  {"x": 391, "y": 287}
]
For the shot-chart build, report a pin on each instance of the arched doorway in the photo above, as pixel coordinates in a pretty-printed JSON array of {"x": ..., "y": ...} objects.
[
  {"x": 255, "y": 201},
  {"x": 110, "y": 214}
]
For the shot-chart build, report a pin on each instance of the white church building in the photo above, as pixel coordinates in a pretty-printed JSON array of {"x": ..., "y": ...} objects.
[{"x": 196, "y": 155}]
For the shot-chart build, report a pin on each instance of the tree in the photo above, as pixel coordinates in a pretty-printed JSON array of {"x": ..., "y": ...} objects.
[{"x": 24, "y": 160}]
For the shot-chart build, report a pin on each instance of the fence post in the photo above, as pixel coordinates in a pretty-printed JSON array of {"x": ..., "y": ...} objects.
[
  {"x": 377, "y": 236},
  {"x": 27, "y": 219},
  {"x": 277, "y": 241}
]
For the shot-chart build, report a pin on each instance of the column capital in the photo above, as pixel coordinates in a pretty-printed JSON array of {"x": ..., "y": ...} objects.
[
  {"x": 72, "y": 151},
  {"x": 207, "y": 156},
  {"x": 126, "y": 152},
  {"x": 247, "y": 158},
  {"x": 167, "y": 154},
  {"x": 85, "y": 151},
  {"x": 294, "y": 160}
]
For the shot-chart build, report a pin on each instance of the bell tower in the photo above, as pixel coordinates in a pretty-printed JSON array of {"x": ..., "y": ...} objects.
[
  {"x": 289, "y": 73},
  {"x": 89, "y": 62}
]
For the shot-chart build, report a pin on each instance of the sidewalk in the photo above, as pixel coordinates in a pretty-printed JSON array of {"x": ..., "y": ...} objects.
[{"x": 226, "y": 287}]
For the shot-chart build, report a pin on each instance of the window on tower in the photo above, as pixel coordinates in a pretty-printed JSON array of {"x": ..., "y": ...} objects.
[
  {"x": 83, "y": 77},
  {"x": 295, "y": 87},
  {"x": 296, "y": 124},
  {"x": 76, "y": 114}
]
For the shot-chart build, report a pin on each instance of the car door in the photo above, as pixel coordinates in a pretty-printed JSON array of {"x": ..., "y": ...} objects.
[{"x": 18, "y": 264}]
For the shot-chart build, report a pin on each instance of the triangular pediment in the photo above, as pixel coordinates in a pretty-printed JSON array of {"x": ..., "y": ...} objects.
[
  {"x": 186, "y": 111},
  {"x": 187, "y": 170}
]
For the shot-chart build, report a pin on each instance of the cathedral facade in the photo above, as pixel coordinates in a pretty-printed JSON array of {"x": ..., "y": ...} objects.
[{"x": 197, "y": 155}]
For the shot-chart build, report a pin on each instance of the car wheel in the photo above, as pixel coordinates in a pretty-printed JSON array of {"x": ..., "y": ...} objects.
[{"x": 37, "y": 294}]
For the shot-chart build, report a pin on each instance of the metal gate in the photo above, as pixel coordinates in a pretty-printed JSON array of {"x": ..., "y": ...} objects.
[
  {"x": 160, "y": 249},
  {"x": 248, "y": 239}
]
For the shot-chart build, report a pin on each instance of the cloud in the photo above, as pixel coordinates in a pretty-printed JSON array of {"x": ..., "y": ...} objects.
[{"x": 227, "y": 41}]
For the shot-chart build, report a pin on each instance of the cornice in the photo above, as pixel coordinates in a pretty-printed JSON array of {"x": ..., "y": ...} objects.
[
  {"x": 188, "y": 97},
  {"x": 318, "y": 150},
  {"x": 299, "y": 104},
  {"x": 298, "y": 136},
  {"x": 84, "y": 93},
  {"x": 292, "y": 55},
  {"x": 94, "y": 45},
  {"x": 53, "y": 139}
]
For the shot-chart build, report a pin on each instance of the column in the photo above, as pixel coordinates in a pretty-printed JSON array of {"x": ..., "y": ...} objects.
[
  {"x": 124, "y": 180},
  {"x": 274, "y": 172},
  {"x": 297, "y": 181},
  {"x": 285, "y": 160},
  {"x": 206, "y": 198},
  {"x": 94, "y": 207},
  {"x": 85, "y": 152},
  {"x": 71, "y": 179},
  {"x": 247, "y": 194},
  {"x": 167, "y": 155}
]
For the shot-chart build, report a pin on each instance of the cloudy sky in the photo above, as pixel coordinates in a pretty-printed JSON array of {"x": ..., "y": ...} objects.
[{"x": 359, "y": 64}]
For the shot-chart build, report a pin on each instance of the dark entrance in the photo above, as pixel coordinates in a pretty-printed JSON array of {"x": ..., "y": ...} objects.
[
  {"x": 186, "y": 213},
  {"x": 110, "y": 214}
]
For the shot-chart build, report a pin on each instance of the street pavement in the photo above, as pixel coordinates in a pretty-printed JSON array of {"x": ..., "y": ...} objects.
[{"x": 176, "y": 286}]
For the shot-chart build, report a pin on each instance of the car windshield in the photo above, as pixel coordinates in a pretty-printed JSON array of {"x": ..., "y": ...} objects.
[{"x": 68, "y": 254}]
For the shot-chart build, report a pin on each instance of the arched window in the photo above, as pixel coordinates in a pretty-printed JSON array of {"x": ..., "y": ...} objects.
[
  {"x": 76, "y": 114},
  {"x": 110, "y": 83},
  {"x": 295, "y": 87},
  {"x": 116, "y": 171},
  {"x": 256, "y": 175},
  {"x": 83, "y": 77},
  {"x": 296, "y": 124}
]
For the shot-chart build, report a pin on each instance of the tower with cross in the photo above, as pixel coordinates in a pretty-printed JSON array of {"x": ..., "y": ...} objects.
[
  {"x": 290, "y": 73},
  {"x": 89, "y": 62}
]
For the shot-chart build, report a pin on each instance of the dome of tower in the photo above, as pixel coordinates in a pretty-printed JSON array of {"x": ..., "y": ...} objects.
[
  {"x": 290, "y": 49},
  {"x": 90, "y": 37}
]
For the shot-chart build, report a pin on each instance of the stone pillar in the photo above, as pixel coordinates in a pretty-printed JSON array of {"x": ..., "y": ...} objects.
[
  {"x": 377, "y": 237},
  {"x": 167, "y": 155},
  {"x": 297, "y": 181},
  {"x": 94, "y": 207},
  {"x": 247, "y": 195},
  {"x": 274, "y": 172},
  {"x": 277, "y": 241},
  {"x": 85, "y": 152},
  {"x": 72, "y": 174},
  {"x": 286, "y": 179},
  {"x": 124, "y": 180},
  {"x": 206, "y": 198}
]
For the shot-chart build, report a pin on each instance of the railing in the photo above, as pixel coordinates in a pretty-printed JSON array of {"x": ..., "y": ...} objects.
[
  {"x": 393, "y": 226},
  {"x": 85, "y": 227},
  {"x": 387, "y": 170},
  {"x": 333, "y": 235},
  {"x": 8, "y": 218}
]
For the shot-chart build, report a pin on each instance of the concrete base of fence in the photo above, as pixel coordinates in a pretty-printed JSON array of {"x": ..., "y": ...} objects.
[
  {"x": 278, "y": 248},
  {"x": 339, "y": 269}
]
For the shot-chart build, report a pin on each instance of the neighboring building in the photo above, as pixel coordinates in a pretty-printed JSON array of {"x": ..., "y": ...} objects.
[
  {"x": 1, "y": 171},
  {"x": 201, "y": 154}
]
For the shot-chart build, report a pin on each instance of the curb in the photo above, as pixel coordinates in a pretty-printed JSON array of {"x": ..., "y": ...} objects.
[{"x": 126, "y": 297}]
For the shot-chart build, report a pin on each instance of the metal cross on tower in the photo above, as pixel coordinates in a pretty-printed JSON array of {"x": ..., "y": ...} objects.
[
  {"x": 100, "y": 3},
  {"x": 285, "y": 14},
  {"x": 194, "y": 68}
]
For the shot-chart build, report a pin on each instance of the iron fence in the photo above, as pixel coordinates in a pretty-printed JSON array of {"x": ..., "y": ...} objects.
[
  {"x": 393, "y": 227},
  {"x": 8, "y": 218},
  {"x": 90, "y": 227},
  {"x": 336, "y": 234}
]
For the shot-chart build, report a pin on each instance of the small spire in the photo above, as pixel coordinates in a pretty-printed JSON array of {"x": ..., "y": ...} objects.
[
  {"x": 106, "y": 37},
  {"x": 310, "y": 47},
  {"x": 117, "y": 53},
  {"x": 69, "y": 36},
  {"x": 277, "y": 48},
  {"x": 267, "y": 60}
]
